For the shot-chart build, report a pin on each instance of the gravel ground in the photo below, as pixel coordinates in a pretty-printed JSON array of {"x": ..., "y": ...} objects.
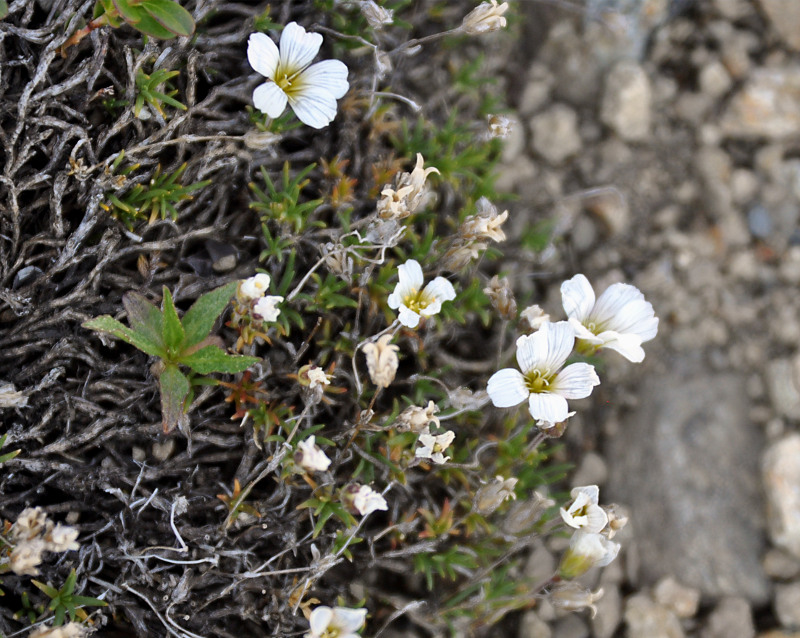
[{"x": 664, "y": 136}]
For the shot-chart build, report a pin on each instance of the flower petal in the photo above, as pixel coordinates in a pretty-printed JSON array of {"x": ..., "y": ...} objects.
[
  {"x": 350, "y": 619},
  {"x": 330, "y": 75},
  {"x": 582, "y": 332},
  {"x": 313, "y": 106},
  {"x": 636, "y": 317},
  {"x": 410, "y": 275},
  {"x": 577, "y": 297},
  {"x": 575, "y": 381},
  {"x": 320, "y": 619},
  {"x": 408, "y": 317},
  {"x": 440, "y": 289},
  {"x": 262, "y": 54},
  {"x": 548, "y": 407},
  {"x": 614, "y": 299},
  {"x": 298, "y": 47},
  {"x": 507, "y": 388},
  {"x": 628, "y": 345},
  {"x": 270, "y": 99},
  {"x": 547, "y": 349}
]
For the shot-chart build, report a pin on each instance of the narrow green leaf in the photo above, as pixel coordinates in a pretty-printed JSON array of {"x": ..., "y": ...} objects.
[
  {"x": 173, "y": 333},
  {"x": 3, "y": 9},
  {"x": 111, "y": 326},
  {"x": 50, "y": 592},
  {"x": 200, "y": 318},
  {"x": 213, "y": 359},
  {"x": 144, "y": 317},
  {"x": 174, "y": 390},
  {"x": 171, "y": 16},
  {"x": 83, "y": 601}
]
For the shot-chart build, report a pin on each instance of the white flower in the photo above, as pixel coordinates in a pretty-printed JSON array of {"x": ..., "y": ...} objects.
[
  {"x": 584, "y": 512},
  {"x": 535, "y": 316},
  {"x": 485, "y": 224},
  {"x": 311, "y": 91},
  {"x": 31, "y": 523},
  {"x": 382, "y": 361},
  {"x": 408, "y": 194},
  {"x": 413, "y": 300},
  {"x": 266, "y": 308},
  {"x": 586, "y": 550},
  {"x": 432, "y": 446},
  {"x": 366, "y": 500},
  {"x": 70, "y": 630},
  {"x": 310, "y": 457},
  {"x": 317, "y": 377},
  {"x": 485, "y": 18},
  {"x": 542, "y": 381},
  {"x": 254, "y": 287},
  {"x": 27, "y": 556},
  {"x": 62, "y": 539},
  {"x": 620, "y": 319},
  {"x": 339, "y": 622},
  {"x": 416, "y": 419}
]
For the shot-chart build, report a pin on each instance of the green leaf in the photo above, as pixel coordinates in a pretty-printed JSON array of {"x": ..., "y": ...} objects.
[
  {"x": 174, "y": 390},
  {"x": 131, "y": 14},
  {"x": 213, "y": 359},
  {"x": 171, "y": 16},
  {"x": 111, "y": 326},
  {"x": 144, "y": 317},
  {"x": 3, "y": 9},
  {"x": 173, "y": 333},
  {"x": 148, "y": 25},
  {"x": 200, "y": 318}
]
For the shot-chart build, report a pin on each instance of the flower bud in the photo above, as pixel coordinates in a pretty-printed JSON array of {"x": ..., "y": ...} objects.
[
  {"x": 534, "y": 316},
  {"x": 377, "y": 17},
  {"x": 461, "y": 255},
  {"x": 571, "y": 596},
  {"x": 525, "y": 514},
  {"x": 586, "y": 550},
  {"x": 485, "y": 18},
  {"x": 502, "y": 297},
  {"x": 382, "y": 361},
  {"x": 416, "y": 419},
  {"x": 362, "y": 499},
  {"x": 490, "y": 496},
  {"x": 617, "y": 519},
  {"x": 310, "y": 457}
]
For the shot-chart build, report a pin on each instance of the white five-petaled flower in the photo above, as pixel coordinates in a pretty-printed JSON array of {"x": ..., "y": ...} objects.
[
  {"x": 542, "y": 381},
  {"x": 620, "y": 319},
  {"x": 366, "y": 500},
  {"x": 432, "y": 446},
  {"x": 584, "y": 512},
  {"x": 413, "y": 300},
  {"x": 254, "y": 287},
  {"x": 310, "y": 457},
  {"x": 310, "y": 89},
  {"x": 317, "y": 377},
  {"x": 339, "y": 622},
  {"x": 266, "y": 308}
]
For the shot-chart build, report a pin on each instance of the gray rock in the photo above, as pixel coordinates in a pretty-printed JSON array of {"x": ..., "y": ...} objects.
[
  {"x": 531, "y": 626},
  {"x": 781, "y": 565},
  {"x": 782, "y": 387},
  {"x": 630, "y": 22},
  {"x": 609, "y": 612},
  {"x": 682, "y": 600},
  {"x": 626, "y": 102},
  {"x": 731, "y": 618},
  {"x": 715, "y": 80},
  {"x": 781, "y": 474},
  {"x": 787, "y": 605},
  {"x": 555, "y": 134},
  {"x": 767, "y": 106},
  {"x": 785, "y": 17},
  {"x": 592, "y": 470},
  {"x": 647, "y": 618},
  {"x": 695, "y": 512},
  {"x": 759, "y": 221},
  {"x": 572, "y": 626}
]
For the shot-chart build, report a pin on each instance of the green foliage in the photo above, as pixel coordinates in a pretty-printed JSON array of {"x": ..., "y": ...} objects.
[
  {"x": 152, "y": 201},
  {"x": 444, "y": 563},
  {"x": 177, "y": 342},
  {"x": 3, "y": 9},
  {"x": 64, "y": 602},
  {"x": 10, "y": 455},
  {"x": 324, "y": 507},
  {"x": 161, "y": 19},
  {"x": 284, "y": 205},
  {"x": 149, "y": 90}
]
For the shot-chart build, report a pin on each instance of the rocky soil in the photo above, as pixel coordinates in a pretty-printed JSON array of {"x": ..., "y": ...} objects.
[{"x": 665, "y": 138}]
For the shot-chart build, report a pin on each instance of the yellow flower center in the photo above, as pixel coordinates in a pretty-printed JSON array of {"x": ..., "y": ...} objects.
[
  {"x": 331, "y": 632},
  {"x": 417, "y": 300},
  {"x": 286, "y": 79},
  {"x": 537, "y": 381}
]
